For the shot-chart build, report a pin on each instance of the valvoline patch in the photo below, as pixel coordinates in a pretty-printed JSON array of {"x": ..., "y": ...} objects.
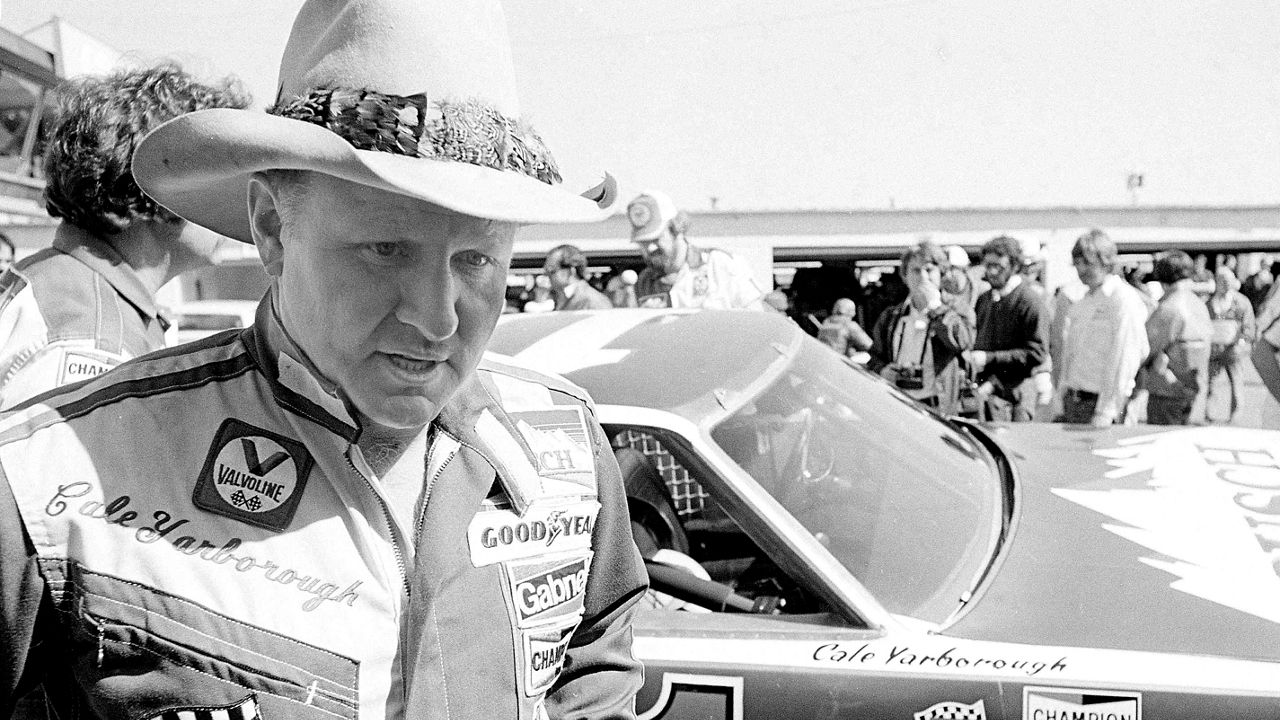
[{"x": 253, "y": 475}]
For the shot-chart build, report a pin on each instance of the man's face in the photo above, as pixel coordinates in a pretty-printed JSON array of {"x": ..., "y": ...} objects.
[
  {"x": 666, "y": 253},
  {"x": 560, "y": 277},
  {"x": 6, "y": 257},
  {"x": 1092, "y": 272},
  {"x": 997, "y": 269},
  {"x": 918, "y": 272},
  {"x": 390, "y": 297}
]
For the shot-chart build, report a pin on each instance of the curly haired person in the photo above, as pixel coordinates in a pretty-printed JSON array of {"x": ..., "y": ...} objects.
[{"x": 87, "y": 303}]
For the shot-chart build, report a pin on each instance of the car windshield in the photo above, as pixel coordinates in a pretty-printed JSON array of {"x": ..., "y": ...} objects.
[{"x": 907, "y": 502}]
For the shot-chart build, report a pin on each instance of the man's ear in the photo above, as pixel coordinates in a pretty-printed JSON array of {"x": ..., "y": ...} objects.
[{"x": 266, "y": 224}]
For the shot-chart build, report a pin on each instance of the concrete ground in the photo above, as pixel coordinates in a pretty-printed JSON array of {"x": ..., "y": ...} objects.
[{"x": 1257, "y": 408}]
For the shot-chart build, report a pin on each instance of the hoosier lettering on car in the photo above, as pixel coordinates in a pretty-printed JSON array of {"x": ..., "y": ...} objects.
[{"x": 821, "y": 545}]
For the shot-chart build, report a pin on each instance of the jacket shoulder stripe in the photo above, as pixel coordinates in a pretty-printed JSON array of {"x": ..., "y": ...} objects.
[{"x": 101, "y": 391}]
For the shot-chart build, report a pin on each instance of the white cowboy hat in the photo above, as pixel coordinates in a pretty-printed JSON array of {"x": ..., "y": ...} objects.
[{"x": 415, "y": 97}]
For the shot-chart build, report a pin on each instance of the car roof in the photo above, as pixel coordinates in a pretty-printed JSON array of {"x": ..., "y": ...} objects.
[{"x": 689, "y": 363}]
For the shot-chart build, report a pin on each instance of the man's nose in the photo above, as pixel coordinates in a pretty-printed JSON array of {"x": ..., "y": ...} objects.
[{"x": 427, "y": 303}]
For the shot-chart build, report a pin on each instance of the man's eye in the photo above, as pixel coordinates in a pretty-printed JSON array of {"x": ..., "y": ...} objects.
[
  {"x": 475, "y": 259},
  {"x": 383, "y": 249}
]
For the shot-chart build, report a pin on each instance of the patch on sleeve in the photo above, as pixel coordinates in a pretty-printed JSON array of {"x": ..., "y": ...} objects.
[
  {"x": 253, "y": 475},
  {"x": 560, "y": 442},
  {"x": 543, "y": 590},
  {"x": 542, "y": 653},
  {"x": 504, "y": 534},
  {"x": 80, "y": 365},
  {"x": 246, "y": 709}
]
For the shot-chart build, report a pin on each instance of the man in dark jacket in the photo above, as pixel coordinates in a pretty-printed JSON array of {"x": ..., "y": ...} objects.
[
  {"x": 1012, "y": 334},
  {"x": 566, "y": 268},
  {"x": 917, "y": 344}
]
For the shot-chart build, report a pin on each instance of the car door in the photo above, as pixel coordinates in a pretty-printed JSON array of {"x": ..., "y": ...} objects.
[{"x": 760, "y": 632}]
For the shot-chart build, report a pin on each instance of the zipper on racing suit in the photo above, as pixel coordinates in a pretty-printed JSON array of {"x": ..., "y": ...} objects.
[{"x": 432, "y": 449}]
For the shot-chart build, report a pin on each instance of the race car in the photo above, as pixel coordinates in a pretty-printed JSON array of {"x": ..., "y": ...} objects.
[{"x": 822, "y": 546}]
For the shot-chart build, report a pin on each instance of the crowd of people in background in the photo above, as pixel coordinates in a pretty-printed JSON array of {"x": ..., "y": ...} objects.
[{"x": 1121, "y": 345}]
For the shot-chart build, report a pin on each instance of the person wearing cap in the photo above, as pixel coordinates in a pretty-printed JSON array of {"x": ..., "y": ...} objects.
[
  {"x": 679, "y": 274},
  {"x": 566, "y": 267},
  {"x": 344, "y": 510},
  {"x": 88, "y": 303},
  {"x": 841, "y": 331}
]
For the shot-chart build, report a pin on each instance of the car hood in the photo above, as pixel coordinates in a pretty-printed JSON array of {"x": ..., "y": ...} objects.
[{"x": 1138, "y": 539}]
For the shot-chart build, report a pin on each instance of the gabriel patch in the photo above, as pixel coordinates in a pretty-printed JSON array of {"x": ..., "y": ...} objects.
[{"x": 253, "y": 475}]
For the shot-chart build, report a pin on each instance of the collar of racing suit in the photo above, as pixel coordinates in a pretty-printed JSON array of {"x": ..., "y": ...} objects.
[
  {"x": 470, "y": 416},
  {"x": 100, "y": 257}
]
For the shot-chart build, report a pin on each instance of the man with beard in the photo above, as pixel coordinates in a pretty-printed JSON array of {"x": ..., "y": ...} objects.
[
  {"x": 1012, "y": 334},
  {"x": 679, "y": 274}
]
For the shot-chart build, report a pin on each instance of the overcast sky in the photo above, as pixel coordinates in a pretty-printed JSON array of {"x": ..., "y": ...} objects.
[{"x": 842, "y": 103}]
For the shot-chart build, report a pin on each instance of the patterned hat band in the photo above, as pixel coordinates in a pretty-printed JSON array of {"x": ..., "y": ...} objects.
[{"x": 468, "y": 131}]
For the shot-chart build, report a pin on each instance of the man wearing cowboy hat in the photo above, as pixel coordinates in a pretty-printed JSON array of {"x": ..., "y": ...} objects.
[{"x": 343, "y": 510}]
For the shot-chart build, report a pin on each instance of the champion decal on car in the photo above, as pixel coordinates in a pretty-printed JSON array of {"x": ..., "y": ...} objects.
[
  {"x": 253, "y": 475},
  {"x": 1210, "y": 512},
  {"x": 1044, "y": 703}
]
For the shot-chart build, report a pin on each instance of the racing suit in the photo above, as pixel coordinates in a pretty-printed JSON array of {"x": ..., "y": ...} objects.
[
  {"x": 196, "y": 531},
  {"x": 71, "y": 312}
]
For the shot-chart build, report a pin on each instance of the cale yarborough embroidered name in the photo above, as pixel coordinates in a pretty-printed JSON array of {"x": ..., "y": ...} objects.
[{"x": 117, "y": 512}]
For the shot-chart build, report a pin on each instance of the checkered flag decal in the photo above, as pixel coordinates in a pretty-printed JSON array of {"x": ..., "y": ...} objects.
[
  {"x": 953, "y": 711},
  {"x": 246, "y": 709}
]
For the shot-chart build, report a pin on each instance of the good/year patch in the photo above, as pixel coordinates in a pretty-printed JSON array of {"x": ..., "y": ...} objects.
[
  {"x": 545, "y": 528},
  {"x": 253, "y": 475}
]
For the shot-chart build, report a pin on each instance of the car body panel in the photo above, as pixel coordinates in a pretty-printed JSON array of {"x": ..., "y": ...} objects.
[
  {"x": 1134, "y": 539},
  {"x": 1138, "y": 572}
]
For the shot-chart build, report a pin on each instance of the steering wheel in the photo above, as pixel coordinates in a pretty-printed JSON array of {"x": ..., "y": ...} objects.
[
  {"x": 709, "y": 594},
  {"x": 802, "y": 466}
]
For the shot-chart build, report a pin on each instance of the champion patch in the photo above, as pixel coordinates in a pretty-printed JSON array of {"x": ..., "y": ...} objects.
[
  {"x": 543, "y": 590},
  {"x": 953, "y": 711},
  {"x": 560, "y": 444},
  {"x": 543, "y": 652},
  {"x": 253, "y": 475},
  {"x": 246, "y": 709},
  {"x": 79, "y": 365},
  {"x": 499, "y": 535},
  {"x": 1039, "y": 703}
]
